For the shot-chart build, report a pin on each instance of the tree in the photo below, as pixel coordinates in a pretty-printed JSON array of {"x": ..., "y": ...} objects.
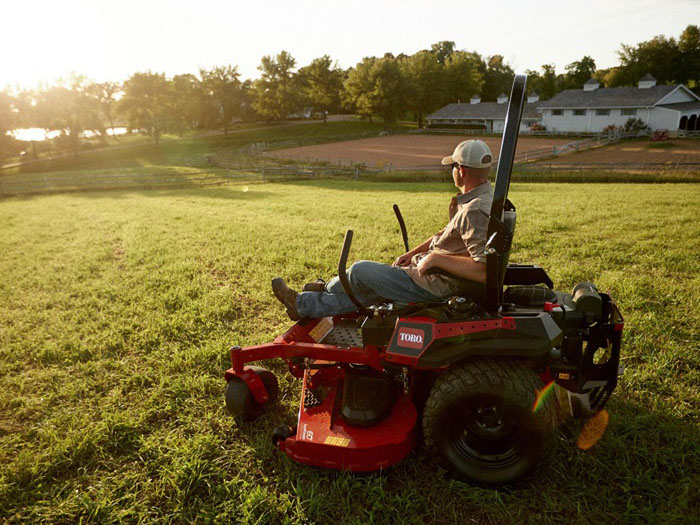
[
  {"x": 544, "y": 84},
  {"x": 578, "y": 73},
  {"x": 276, "y": 92},
  {"x": 497, "y": 78},
  {"x": 222, "y": 88},
  {"x": 659, "y": 56},
  {"x": 147, "y": 103},
  {"x": 442, "y": 50},
  {"x": 425, "y": 83},
  {"x": 106, "y": 95},
  {"x": 389, "y": 93},
  {"x": 189, "y": 103},
  {"x": 358, "y": 88},
  {"x": 463, "y": 78},
  {"x": 8, "y": 121},
  {"x": 688, "y": 69},
  {"x": 70, "y": 108},
  {"x": 323, "y": 82}
]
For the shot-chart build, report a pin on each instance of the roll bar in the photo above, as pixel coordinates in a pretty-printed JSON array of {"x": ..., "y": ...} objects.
[{"x": 499, "y": 237}]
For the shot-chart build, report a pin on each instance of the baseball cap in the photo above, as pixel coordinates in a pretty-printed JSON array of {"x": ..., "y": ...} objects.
[{"x": 472, "y": 153}]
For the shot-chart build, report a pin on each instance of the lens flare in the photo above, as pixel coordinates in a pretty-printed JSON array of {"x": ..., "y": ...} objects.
[
  {"x": 593, "y": 430},
  {"x": 542, "y": 395}
]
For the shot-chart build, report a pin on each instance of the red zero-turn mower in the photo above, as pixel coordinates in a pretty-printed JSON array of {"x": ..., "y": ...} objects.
[{"x": 472, "y": 375}]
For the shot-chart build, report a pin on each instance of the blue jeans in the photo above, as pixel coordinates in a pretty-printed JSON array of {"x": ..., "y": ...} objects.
[{"x": 371, "y": 282}]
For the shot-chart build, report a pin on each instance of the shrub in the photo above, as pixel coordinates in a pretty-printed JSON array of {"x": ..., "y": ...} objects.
[{"x": 636, "y": 125}]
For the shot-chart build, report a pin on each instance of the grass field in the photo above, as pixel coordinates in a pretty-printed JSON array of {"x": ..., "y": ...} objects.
[
  {"x": 118, "y": 309},
  {"x": 143, "y": 156}
]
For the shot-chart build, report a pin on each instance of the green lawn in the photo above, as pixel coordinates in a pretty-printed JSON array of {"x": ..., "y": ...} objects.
[
  {"x": 118, "y": 309},
  {"x": 142, "y": 154}
]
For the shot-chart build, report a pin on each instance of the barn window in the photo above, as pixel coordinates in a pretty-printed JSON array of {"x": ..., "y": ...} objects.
[
  {"x": 602, "y": 112},
  {"x": 579, "y": 112},
  {"x": 628, "y": 112}
]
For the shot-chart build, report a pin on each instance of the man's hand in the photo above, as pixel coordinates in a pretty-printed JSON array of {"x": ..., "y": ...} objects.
[
  {"x": 426, "y": 263},
  {"x": 403, "y": 260}
]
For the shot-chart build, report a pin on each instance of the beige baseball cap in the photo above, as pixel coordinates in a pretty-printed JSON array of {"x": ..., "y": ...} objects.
[{"x": 472, "y": 153}]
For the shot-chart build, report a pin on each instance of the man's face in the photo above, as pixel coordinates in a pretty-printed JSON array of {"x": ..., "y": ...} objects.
[{"x": 456, "y": 174}]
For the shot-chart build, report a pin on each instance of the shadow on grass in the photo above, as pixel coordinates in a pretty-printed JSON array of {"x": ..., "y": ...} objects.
[{"x": 643, "y": 469}]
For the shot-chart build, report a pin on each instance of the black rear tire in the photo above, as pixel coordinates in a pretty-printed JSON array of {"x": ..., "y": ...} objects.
[
  {"x": 239, "y": 399},
  {"x": 479, "y": 419}
]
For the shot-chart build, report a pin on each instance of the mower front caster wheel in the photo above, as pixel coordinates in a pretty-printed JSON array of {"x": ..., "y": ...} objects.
[
  {"x": 282, "y": 432},
  {"x": 239, "y": 399}
]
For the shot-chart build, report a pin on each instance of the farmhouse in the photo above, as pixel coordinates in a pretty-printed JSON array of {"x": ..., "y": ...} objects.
[
  {"x": 488, "y": 117},
  {"x": 592, "y": 109},
  {"x": 588, "y": 110}
]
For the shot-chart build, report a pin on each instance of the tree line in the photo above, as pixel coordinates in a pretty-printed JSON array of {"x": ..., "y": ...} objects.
[{"x": 388, "y": 88}]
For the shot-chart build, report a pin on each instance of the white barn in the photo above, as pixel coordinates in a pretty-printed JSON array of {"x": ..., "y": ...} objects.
[
  {"x": 592, "y": 109},
  {"x": 489, "y": 117}
]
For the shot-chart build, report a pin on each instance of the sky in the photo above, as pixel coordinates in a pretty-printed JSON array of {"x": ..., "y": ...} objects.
[{"x": 108, "y": 41}]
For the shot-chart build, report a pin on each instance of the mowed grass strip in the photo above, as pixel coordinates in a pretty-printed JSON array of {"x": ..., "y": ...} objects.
[{"x": 118, "y": 309}]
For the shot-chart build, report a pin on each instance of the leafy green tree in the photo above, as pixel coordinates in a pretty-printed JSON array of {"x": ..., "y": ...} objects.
[
  {"x": 8, "y": 121},
  {"x": 425, "y": 85},
  {"x": 463, "y": 77},
  {"x": 668, "y": 60},
  {"x": 358, "y": 87},
  {"x": 688, "y": 69},
  {"x": 106, "y": 94},
  {"x": 578, "y": 73},
  {"x": 442, "y": 50},
  {"x": 147, "y": 103},
  {"x": 188, "y": 103},
  {"x": 323, "y": 82},
  {"x": 498, "y": 78},
  {"x": 222, "y": 88},
  {"x": 276, "y": 91},
  {"x": 389, "y": 89},
  {"x": 545, "y": 83},
  {"x": 70, "y": 108}
]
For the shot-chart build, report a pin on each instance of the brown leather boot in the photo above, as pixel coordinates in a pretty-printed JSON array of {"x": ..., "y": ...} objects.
[
  {"x": 286, "y": 296},
  {"x": 319, "y": 285}
]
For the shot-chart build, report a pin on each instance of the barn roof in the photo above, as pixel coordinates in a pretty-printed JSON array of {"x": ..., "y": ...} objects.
[
  {"x": 484, "y": 110},
  {"x": 682, "y": 106},
  {"x": 608, "y": 97}
]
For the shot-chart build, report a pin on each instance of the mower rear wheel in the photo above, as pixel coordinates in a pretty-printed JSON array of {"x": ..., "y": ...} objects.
[
  {"x": 239, "y": 399},
  {"x": 481, "y": 419}
]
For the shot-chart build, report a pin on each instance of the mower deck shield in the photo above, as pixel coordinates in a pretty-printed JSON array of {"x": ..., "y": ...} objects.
[{"x": 325, "y": 439}]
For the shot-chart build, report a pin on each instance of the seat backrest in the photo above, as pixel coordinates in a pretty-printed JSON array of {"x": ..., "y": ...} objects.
[{"x": 509, "y": 221}]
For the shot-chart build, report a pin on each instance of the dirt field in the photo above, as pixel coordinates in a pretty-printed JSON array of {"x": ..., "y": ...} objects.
[
  {"x": 403, "y": 151},
  {"x": 636, "y": 153},
  {"x": 423, "y": 151}
]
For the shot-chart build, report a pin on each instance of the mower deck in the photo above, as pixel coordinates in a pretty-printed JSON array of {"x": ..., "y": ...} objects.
[{"x": 324, "y": 439}]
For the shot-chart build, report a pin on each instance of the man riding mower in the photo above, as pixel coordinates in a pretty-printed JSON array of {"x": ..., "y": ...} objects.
[{"x": 437, "y": 348}]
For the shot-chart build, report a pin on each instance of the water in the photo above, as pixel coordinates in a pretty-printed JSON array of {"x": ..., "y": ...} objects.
[{"x": 39, "y": 134}]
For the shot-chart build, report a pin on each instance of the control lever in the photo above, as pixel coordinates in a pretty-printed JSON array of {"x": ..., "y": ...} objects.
[{"x": 343, "y": 276}]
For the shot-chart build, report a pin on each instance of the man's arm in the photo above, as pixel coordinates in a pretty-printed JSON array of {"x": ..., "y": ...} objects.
[
  {"x": 458, "y": 265},
  {"x": 405, "y": 259}
]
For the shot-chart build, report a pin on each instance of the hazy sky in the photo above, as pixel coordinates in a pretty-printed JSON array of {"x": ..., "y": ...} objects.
[{"x": 43, "y": 40}]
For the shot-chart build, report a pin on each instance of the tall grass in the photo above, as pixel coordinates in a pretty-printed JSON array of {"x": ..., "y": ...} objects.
[{"x": 118, "y": 309}]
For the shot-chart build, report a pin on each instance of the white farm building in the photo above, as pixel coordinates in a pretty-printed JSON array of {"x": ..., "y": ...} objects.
[
  {"x": 489, "y": 117},
  {"x": 587, "y": 110}
]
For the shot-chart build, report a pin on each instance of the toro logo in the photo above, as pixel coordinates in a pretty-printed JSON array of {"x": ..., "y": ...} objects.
[{"x": 410, "y": 338}]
